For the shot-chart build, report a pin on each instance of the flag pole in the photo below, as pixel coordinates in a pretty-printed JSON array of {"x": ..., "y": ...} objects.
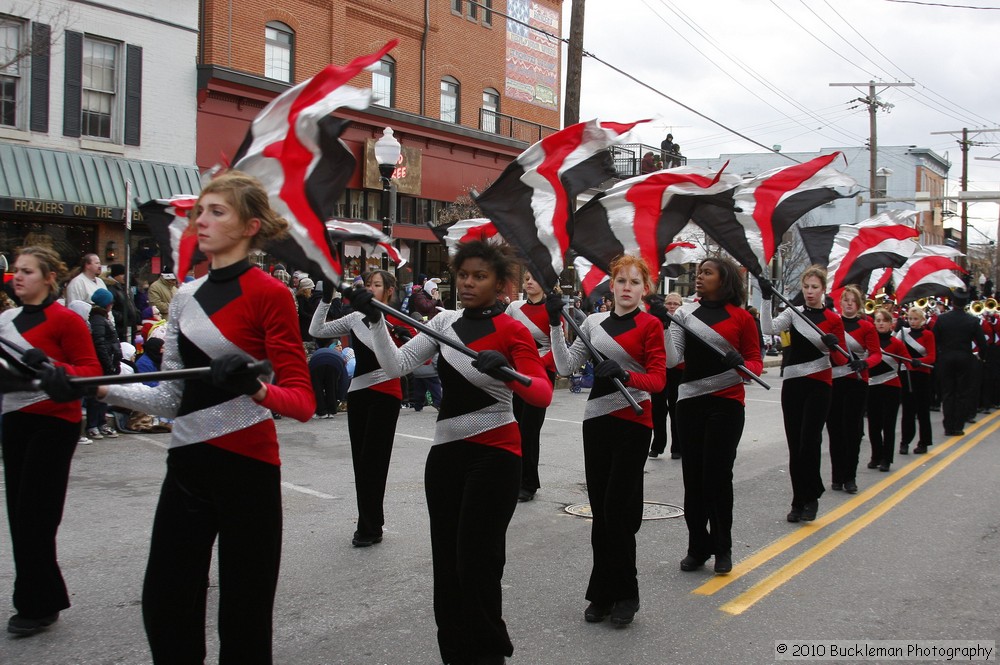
[{"x": 905, "y": 359}]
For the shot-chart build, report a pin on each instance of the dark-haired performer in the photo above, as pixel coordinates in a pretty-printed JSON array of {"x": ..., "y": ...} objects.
[
  {"x": 223, "y": 475},
  {"x": 884, "y": 389},
  {"x": 473, "y": 470},
  {"x": 40, "y": 435},
  {"x": 710, "y": 405},
  {"x": 805, "y": 393},
  {"x": 615, "y": 439},
  {"x": 373, "y": 402},
  {"x": 532, "y": 313}
]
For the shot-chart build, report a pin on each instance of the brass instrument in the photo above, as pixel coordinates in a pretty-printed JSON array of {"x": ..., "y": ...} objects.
[
  {"x": 975, "y": 308},
  {"x": 990, "y": 305},
  {"x": 870, "y": 306},
  {"x": 922, "y": 303}
]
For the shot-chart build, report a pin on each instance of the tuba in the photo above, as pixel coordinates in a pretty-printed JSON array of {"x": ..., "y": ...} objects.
[
  {"x": 976, "y": 308},
  {"x": 990, "y": 305}
]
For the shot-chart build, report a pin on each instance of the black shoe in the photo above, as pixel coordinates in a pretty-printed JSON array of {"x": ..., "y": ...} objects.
[
  {"x": 723, "y": 564},
  {"x": 653, "y": 454},
  {"x": 919, "y": 450},
  {"x": 873, "y": 464},
  {"x": 955, "y": 432},
  {"x": 904, "y": 450},
  {"x": 19, "y": 625},
  {"x": 851, "y": 488},
  {"x": 795, "y": 514},
  {"x": 885, "y": 466},
  {"x": 691, "y": 562},
  {"x": 525, "y": 495},
  {"x": 675, "y": 455},
  {"x": 596, "y": 612},
  {"x": 624, "y": 611},
  {"x": 837, "y": 487},
  {"x": 971, "y": 421},
  {"x": 809, "y": 511},
  {"x": 365, "y": 541}
]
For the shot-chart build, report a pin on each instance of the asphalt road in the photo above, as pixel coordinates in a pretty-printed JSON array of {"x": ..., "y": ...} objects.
[{"x": 915, "y": 555}]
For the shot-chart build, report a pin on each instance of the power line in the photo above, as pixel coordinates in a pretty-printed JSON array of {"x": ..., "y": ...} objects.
[{"x": 939, "y": 4}]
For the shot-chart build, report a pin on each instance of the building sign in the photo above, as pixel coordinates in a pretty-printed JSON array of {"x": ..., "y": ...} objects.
[
  {"x": 532, "y": 58},
  {"x": 407, "y": 173},
  {"x": 64, "y": 209}
]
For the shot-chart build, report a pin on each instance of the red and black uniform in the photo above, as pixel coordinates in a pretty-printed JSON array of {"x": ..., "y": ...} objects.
[
  {"x": 884, "y": 389},
  {"x": 39, "y": 438},
  {"x": 845, "y": 424},
  {"x": 473, "y": 471},
  {"x": 530, "y": 418},
  {"x": 616, "y": 441},
  {"x": 917, "y": 396},
  {"x": 223, "y": 476},
  {"x": 711, "y": 414},
  {"x": 805, "y": 393},
  {"x": 373, "y": 403}
]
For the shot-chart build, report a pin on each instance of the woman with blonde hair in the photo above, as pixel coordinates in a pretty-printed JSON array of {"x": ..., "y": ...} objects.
[
  {"x": 884, "y": 389},
  {"x": 919, "y": 342}
]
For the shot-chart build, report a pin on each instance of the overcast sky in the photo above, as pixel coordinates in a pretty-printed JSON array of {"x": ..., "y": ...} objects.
[{"x": 764, "y": 69}]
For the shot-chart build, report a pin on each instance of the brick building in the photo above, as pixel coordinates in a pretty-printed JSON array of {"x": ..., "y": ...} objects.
[{"x": 465, "y": 92}]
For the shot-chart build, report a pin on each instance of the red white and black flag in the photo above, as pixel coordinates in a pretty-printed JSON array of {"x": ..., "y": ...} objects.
[
  {"x": 466, "y": 230},
  {"x": 776, "y": 199},
  {"x": 886, "y": 240},
  {"x": 930, "y": 271},
  {"x": 818, "y": 242},
  {"x": 169, "y": 224},
  {"x": 293, "y": 147},
  {"x": 642, "y": 215},
  {"x": 532, "y": 201},
  {"x": 678, "y": 255},
  {"x": 594, "y": 282}
]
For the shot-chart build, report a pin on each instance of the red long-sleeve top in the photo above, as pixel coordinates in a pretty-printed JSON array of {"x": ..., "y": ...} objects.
[
  {"x": 886, "y": 373},
  {"x": 65, "y": 338},
  {"x": 805, "y": 357},
  {"x": 925, "y": 338},
  {"x": 535, "y": 318},
  {"x": 864, "y": 345}
]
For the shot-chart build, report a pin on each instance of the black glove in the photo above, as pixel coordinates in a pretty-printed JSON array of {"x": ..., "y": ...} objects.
[
  {"x": 917, "y": 363},
  {"x": 610, "y": 369},
  {"x": 402, "y": 333},
  {"x": 232, "y": 372},
  {"x": 328, "y": 290},
  {"x": 830, "y": 340},
  {"x": 766, "y": 288},
  {"x": 361, "y": 300},
  {"x": 858, "y": 365},
  {"x": 658, "y": 309},
  {"x": 35, "y": 359},
  {"x": 733, "y": 359},
  {"x": 554, "y": 305},
  {"x": 55, "y": 382},
  {"x": 490, "y": 363}
]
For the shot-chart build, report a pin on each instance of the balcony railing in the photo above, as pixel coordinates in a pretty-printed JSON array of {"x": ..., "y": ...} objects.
[
  {"x": 511, "y": 127},
  {"x": 628, "y": 158}
]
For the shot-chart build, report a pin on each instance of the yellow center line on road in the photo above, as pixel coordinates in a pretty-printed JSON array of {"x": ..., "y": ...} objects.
[
  {"x": 800, "y": 533},
  {"x": 748, "y": 598}
]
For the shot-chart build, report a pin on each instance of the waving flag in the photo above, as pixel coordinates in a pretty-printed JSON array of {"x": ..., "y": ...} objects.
[
  {"x": 293, "y": 147},
  {"x": 531, "y": 203},
  {"x": 168, "y": 221},
  {"x": 879, "y": 279},
  {"x": 466, "y": 230},
  {"x": 776, "y": 199},
  {"x": 642, "y": 215},
  {"x": 594, "y": 282},
  {"x": 928, "y": 272},
  {"x": 885, "y": 240},
  {"x": 678, "y": 255},
  {"x": 818, "y": 242}
]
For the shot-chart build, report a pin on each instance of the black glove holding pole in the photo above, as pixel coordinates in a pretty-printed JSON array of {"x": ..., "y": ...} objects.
[
  {"x": 491, "y": 363},
  {"x": 858, "y": 365},
  {"x": 732, "y": 359},
  {"x": 55, "y": 382},
  {"x": 658, "y": 309},
  {"x": 402, "y": 333},
  {"x": 554, "y": 306},
  {"x": 766, "y": 288},
  {"x": 233, "y": 372},
  {"x": 361, "y": 300},
  {"x": 830, "y": 340},
  {"x": 610, "y": 369},
  {"x": 35, "y": 359}
]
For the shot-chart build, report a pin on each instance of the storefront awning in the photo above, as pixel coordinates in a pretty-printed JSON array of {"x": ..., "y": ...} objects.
[
  {"x": 413, "y": 232},
  {"x": 73, "y": 184}
]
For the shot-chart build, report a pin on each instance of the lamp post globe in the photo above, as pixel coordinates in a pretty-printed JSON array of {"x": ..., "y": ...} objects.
[{"x": 387, "y": 151}]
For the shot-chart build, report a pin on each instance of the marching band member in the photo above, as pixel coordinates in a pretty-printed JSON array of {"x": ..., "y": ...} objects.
[
  {"x": 615, "y": 439},
  {"x": 710, "y": 405},
  {"x": 805, "y": 394},
  {"x": 884, "y": 394},
  {"x": 473, "y": 471},
  {"x": 373, "y": 402},
  {"x": 845, "y": 424},
  {"x": 954, "y": 334},
  {"x": 532, "y": 313},
  {"x": 665, "y": 402},
  {"x": 920, "y": 346}
]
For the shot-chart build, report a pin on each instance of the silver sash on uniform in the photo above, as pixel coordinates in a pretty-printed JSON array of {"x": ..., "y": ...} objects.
[
  {"x": 716, "y": 382},
  {"x": 884, "y": 377},
  {"x": 15, "y": 401},
  {"x": 906, "y": 338},
  {"x": 855, "y": 347}
]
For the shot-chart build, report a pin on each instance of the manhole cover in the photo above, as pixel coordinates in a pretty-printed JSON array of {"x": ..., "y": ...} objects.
[{"x": 651, "y": 510}]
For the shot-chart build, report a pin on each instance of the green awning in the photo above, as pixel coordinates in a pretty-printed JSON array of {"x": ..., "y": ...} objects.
[{"x": 49, "y": 175}]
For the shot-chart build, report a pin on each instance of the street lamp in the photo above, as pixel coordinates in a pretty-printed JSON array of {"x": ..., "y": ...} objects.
[{"x": 387, "y": 151}]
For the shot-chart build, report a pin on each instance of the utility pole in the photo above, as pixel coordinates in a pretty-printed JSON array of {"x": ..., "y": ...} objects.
[
  {"x": 965, "y": 143},
  {"x": 574, "y": 65},
  {"x": 873, "y": 104}
]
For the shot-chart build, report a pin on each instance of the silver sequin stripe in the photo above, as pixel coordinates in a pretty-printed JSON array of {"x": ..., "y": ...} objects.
[
  {"x": 905, "y": 337},
  {"x": 709, "y": 384},
  {"x": 602, "y": 406},
  {"x": 18, "y": 400},
  {"x": 367, "y": 380},
  {"x": 215, "y": 421},
  {"x": 879, "y": 379},
  {"x": 471, "y": 424},
  {"x": 807, "y": 368}
]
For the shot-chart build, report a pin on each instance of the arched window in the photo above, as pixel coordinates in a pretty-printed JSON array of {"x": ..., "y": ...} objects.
[
  {"x": 449, "y": 99},
  {"x": 384, "y": 82},
  {"x": 279, "y": 48},
  {"x": 491, "y": 111}
]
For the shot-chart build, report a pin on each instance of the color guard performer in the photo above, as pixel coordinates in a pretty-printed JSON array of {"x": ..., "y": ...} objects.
[
  {"x": 920, "y": 346},
  {"x": 884, "y": 387}
]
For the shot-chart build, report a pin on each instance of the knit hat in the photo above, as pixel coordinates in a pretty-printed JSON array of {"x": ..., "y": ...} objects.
[
  {"x": 306, "y": 283},
  {"x": 167, "y": 275},
  {"x": 431, "y": 285},
  {"x": 117, "y": 269},
  {"x": 147, "y": 312},
  {"x": 102, "y": 297},
  {"x": 128, "y": 351}
]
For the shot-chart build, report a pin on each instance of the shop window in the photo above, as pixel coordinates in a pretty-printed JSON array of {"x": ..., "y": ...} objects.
[
  {"x": 384, "y": 83},
  {"x": 100, "y": 88},
  {"x": 102, "y": 99},
  {"x": 279, "y": 42},
  {"x": 12, "y": 84},
  {"x": 449, "y": 99},
  {"x": 491, "y": 110}
]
